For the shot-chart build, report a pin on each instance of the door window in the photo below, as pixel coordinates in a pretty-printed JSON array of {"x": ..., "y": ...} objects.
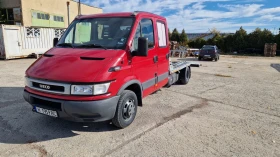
[
  {"x": 148, "y": 31},
  {"x": 144, "y": 29},
  {"x": 135, "y": 39}
]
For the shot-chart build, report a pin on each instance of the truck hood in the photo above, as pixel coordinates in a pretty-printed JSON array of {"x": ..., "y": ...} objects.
[{"x": 72, "y": 65}]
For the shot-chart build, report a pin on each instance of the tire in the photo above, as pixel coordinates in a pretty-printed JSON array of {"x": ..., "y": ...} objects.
[
  {"x": 199, "y": 58},
  {"x": 126, "y": 109},
  {"x": 216, "y": 59},
  {"x": 185, "y": 75},
  {"x": 168, "y": 83}
]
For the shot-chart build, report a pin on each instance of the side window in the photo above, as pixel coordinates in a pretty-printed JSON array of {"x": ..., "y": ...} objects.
[
  {"x": 147, "y": 30},
  {"x": 161, "y": 34},
  {"x": 69, "y": 37}
]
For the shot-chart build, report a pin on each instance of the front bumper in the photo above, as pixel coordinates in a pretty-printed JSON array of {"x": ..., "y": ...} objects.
[{"x": 78, "y": 111}]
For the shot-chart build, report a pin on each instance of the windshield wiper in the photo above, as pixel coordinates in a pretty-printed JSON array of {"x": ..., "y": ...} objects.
[
  {"x": 93, "y": 46},
  {"x": 66, "y": 44}
]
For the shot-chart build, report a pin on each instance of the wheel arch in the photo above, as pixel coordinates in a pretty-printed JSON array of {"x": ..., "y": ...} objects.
[{"x": 136, "y": 87}]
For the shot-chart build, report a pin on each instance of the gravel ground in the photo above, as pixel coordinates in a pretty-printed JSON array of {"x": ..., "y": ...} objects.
[{"x": 229, "y": 108}]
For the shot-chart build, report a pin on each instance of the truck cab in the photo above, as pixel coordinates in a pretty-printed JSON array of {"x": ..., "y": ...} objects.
[{"x": 101, "y": 68}]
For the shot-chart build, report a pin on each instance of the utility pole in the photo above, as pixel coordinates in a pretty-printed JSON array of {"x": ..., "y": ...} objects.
[
  {"x": 68, "y": 3},
  {"x": 79, "y": 9}
]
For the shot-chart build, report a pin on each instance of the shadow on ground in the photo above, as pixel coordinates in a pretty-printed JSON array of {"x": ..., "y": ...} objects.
[
  {"x": 276, "y": 66},
  {"x": 19, "y": 125}
]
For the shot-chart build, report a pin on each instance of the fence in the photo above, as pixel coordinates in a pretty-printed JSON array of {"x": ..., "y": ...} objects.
[{"x": 19, "y": 41}]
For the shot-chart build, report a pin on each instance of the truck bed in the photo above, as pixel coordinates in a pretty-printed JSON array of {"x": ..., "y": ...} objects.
[{"x": 175, "y": 66}]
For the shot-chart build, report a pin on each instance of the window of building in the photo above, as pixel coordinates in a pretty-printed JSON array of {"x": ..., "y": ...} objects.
[
  {"x": 58, "y": 18},
  {"x": 32, "y": 32},
  {"x": 39, "y": 16},
  {"x": 42, "y": 16},
  {"x": 10, "y": 14}
]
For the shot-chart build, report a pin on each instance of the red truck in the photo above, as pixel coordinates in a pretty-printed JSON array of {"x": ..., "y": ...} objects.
[{"x": 102, "y": 67}]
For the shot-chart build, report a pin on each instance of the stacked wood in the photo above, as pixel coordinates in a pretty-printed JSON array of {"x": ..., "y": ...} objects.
[
  {"x": 270, "y": 49},
  {"x": 174, "y": 45}
]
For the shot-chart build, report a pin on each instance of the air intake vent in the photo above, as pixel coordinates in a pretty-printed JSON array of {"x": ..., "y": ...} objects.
[
  {"x": 48, "y": 55},
  {"x": 91, "y": 58}
]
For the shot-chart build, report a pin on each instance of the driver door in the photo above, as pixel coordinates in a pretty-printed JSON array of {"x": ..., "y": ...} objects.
[{"x": 145, "y": 68}]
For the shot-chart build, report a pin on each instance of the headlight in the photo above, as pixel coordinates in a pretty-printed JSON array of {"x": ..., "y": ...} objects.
[
  {"x": 90, "y": 89},
  {"x": 101, "y": 88},
  {"x": 82, "y": 89}
]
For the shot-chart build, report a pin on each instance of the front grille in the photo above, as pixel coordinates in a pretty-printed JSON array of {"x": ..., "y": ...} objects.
[
  {"x": 46, "y": 104},
  {"x": 48, "y": 87}
]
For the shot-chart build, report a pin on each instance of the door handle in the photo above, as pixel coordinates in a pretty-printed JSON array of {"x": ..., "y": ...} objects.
[{"x": 155, "y": 59}]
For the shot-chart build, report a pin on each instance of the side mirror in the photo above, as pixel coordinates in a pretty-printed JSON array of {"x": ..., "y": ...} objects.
[
  {"x": 55, "y": 41},
  {"x": 142, "y": 47}
]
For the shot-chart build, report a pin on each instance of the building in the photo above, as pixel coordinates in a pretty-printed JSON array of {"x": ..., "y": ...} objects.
[
  {"x": 28, "y": 27},
  {"x": 43, "y": 13}
]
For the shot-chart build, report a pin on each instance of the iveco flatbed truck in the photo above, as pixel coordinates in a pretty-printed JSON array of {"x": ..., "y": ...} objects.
[{"x": 102, "y": 67}]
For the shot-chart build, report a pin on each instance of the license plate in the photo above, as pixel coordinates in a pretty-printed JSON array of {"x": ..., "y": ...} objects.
[
  {"x": 206, "y": 55},
  {"x": 46, "y": 112}
]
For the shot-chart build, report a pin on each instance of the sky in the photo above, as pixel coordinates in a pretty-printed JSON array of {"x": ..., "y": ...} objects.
[{"x": 200, "y": 16}]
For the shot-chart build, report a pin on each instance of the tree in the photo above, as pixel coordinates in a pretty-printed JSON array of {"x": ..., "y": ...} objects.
[
  {"x": 240, "y": 39},
  {"x": 267, "y": 36},
  {"x": 277, "y": 40},
  {"x": 228, "y": 43},
  {"x": 169, "y": 34},
  {"x": 183, "y": 38},
  {"x": 254, "y": 38},
  {"x": 175, "y": 35},
  {"x": 215, "y": 31}
]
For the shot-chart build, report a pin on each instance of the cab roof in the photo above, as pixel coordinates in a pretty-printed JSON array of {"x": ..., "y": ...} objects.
[{"x": 121, "y": 14}]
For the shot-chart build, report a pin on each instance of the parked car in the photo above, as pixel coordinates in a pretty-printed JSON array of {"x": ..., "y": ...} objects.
[
  {"x": 209, "y": 52},
  {"x": 196, "y": 53}
]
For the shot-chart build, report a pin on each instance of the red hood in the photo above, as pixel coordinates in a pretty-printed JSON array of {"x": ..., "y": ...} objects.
[{"x": 73, "y": 65}]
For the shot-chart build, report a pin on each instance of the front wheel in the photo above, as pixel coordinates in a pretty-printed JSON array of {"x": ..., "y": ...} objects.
[{"x": 126, "y": 109}]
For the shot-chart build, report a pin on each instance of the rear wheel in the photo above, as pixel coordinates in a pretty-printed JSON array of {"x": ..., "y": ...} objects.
[
  {"x": 199, "y": 58},
  {"x": 126, "y": 109},
  {"x": 185, "y": 75}
]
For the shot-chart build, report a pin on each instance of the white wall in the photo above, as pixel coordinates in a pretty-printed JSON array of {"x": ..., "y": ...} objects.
[{"x": 30, "y": 40}]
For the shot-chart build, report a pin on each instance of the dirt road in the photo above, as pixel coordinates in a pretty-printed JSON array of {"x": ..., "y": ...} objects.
[{"x": 229, "y": 108}]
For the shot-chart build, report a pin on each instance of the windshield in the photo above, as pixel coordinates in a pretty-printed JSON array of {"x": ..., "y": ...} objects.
[
  {"x": 107, "y": 33},
  {"x": 208, "y": 47}
]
